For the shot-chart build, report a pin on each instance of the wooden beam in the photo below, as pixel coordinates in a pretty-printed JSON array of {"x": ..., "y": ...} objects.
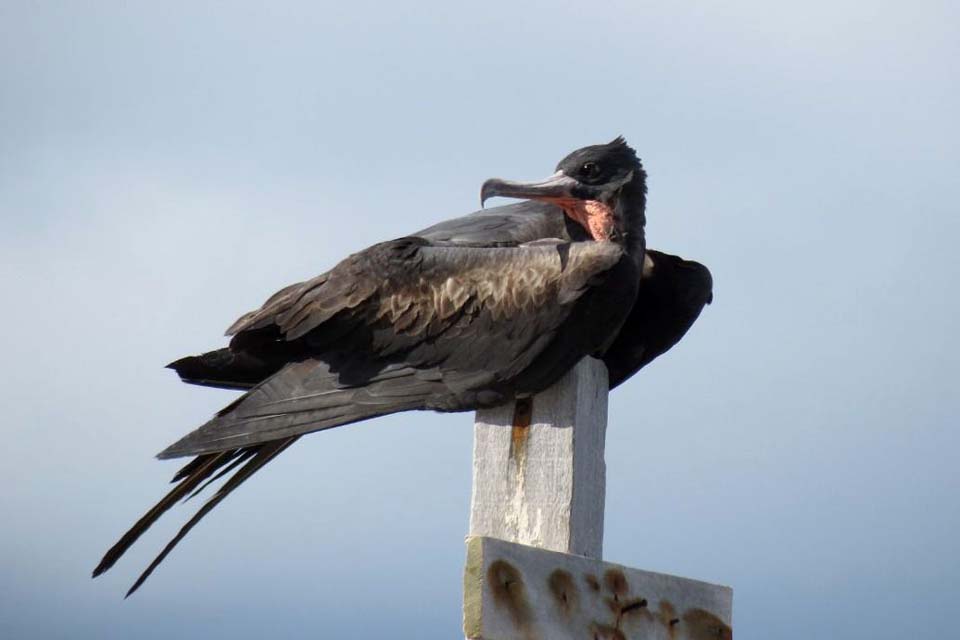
[
  {"x": 516, "y": 592},
  {"x": 539, "y": 476}
]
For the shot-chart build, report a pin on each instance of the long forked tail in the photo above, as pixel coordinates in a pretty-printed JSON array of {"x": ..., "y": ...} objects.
[
  {"x": 208, "y": 467},
  {"x": 303, "y": 396}
]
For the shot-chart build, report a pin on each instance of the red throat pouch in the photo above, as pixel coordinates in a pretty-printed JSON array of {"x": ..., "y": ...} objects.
[{"x": 594, "y": 216}]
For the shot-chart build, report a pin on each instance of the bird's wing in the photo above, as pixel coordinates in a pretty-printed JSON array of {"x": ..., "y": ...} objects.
[
  {"x": 672, "y": 293},
  {"x": 511, "y": 224},
  {"x": 406, "y": 325}
]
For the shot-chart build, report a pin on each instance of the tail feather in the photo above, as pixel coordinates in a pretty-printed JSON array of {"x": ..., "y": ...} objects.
[
  {"x": 189, "y": 468},
  {"x": 264, "y": 454},
  {"x": 203, "y": 467},
  {"x": 303, "y": 397},
  {"x": 230, "y": 467}
]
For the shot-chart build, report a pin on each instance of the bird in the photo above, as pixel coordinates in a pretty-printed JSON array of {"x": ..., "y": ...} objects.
[{"x": 472, "y": 313}]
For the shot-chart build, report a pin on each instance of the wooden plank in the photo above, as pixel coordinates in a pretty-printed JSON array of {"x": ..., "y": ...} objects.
[
  {"x": 516, "y": 592},
  {"x": 538, "y": 471}
]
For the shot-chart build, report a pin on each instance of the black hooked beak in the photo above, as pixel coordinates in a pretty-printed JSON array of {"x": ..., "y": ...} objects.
[{"x": 557, "y": 187}]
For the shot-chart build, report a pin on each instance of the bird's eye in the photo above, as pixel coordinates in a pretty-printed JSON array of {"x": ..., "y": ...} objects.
[{"x": 590, "y": 169}]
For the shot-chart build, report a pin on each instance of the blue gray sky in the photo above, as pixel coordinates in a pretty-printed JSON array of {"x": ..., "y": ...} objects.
[{"x": 166, "y": 166}]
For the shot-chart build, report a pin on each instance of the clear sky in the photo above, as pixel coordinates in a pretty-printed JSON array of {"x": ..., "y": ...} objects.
[{"x": 166, "y": 166}]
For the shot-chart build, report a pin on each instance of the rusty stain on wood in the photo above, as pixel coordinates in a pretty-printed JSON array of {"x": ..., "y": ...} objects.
[
  {"x": 508, "y": 590},
  {"x": 616, "y": 582},
  {"x": 667, "y": 615},
  {"x": 522, "y": 418},
  {"x": 564, "y": 591},
  {"x": 703, "y": 625}
]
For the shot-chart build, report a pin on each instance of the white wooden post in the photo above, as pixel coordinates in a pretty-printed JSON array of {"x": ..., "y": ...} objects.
[
  {"x": 538, "y": 472},
  {"x": 534, "y": 567}
]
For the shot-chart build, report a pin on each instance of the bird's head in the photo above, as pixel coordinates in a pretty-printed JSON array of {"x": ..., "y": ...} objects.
[{"x": 603, "y": 187}]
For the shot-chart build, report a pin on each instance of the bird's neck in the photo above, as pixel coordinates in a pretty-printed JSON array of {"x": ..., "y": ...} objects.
[
  {"x": 622, "y": 223},
  {"x": 631, "y": 218}
]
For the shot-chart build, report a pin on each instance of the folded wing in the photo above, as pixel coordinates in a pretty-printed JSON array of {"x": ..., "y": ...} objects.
[
  {"x": 410, "y": 324},
  {"x": 672, "y": 293}
]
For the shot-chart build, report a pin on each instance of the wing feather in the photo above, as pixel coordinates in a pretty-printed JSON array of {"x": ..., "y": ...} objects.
[
  {"x": 412, "y": 283},
  {"x": 441, "y": 335},
  {"x": 672, "y": 294}
]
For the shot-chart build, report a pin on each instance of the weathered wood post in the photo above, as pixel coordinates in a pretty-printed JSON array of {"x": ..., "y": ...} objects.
[{"x": 534, "y": 567}]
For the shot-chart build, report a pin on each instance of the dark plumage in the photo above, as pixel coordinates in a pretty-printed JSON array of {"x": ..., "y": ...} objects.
[
  {"x": 410, "y": 324},
  {"x": 470, "y": 313},
  {"x": 671, "y": 295}
]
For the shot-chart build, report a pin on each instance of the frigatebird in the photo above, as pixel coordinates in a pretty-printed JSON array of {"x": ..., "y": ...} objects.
[{"x": 458, "y": 317}]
